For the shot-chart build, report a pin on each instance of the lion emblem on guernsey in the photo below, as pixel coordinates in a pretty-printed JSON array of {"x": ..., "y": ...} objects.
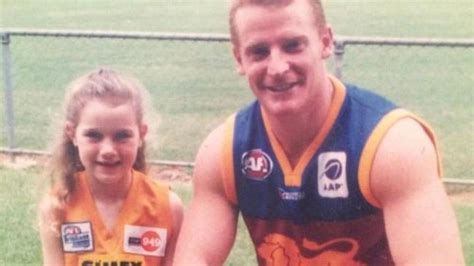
[{"x": 278, "y": 249}]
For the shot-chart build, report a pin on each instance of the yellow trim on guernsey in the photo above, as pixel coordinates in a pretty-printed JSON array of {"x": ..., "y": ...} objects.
[
  {"x": 373, "y": 142},
  {"x": 228, "y": 178},
  {"x": 293, "y": 177}
]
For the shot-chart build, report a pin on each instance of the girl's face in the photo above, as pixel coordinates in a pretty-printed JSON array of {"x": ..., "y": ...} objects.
[{"x": 107, "y": 136}]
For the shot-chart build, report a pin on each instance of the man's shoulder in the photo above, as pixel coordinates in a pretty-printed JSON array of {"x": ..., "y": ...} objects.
[{"x": 368, "y": 99}]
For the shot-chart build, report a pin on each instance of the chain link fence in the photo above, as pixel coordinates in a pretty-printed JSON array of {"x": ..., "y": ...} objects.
[{"x": 194, "y": 84}]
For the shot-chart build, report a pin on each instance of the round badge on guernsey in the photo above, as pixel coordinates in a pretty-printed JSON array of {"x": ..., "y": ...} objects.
[
  {"x": 145, "y": 240},
  {"x": 256, "y": 164},
  {"x": 151, "y": 241}
]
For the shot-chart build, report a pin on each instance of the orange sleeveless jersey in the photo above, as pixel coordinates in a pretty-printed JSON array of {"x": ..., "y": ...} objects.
[{"x": 141, "y": 233}]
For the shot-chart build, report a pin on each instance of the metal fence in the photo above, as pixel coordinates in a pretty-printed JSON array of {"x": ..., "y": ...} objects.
[{"x": 431, "y": 77}]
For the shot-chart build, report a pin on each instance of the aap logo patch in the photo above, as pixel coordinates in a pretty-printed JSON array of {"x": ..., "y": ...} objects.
[
  {"x": 332, "y": 176},
  {"x": 256, "y": 164},
  {"x": 333, "y": 169}
]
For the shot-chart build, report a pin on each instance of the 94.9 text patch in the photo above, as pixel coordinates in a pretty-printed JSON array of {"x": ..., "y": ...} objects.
[{"x": 145, "y": 240}]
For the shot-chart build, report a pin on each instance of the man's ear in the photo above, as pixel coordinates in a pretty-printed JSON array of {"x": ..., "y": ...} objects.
[
  {"x": 238, "y": 60},
  {"x": 143, "y": 130},
  {"x": 327, "y": 40},
  {"x": 70, "y": 131}
]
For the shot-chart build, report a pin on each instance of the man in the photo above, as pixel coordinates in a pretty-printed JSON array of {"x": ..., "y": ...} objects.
[{"x": 323, "y": 173}]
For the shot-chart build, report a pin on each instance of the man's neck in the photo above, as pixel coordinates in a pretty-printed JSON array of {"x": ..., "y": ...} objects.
[{"x": 295, "y": 132}]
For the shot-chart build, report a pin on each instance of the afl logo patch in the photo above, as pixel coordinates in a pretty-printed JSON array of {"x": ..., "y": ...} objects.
[
  {"x": 256, "y": 164},
  {"x": 77, "y": 237}
]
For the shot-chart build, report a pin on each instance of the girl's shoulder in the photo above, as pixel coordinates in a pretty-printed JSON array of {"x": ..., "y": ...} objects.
[{"x": 51, "y": 210}]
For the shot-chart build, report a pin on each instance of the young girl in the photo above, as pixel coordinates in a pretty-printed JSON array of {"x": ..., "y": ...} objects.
[{"x": 102, "y": 209}]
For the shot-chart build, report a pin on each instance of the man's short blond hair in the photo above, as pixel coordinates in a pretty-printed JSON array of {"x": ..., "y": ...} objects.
[{"x": 315, "y": 5}]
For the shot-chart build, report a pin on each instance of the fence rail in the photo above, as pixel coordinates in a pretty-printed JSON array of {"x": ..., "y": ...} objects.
[
  {"x": 405, "y": 41},
  {"x": 341, "y": 43},
  {"x": 26, "y": 152},
  {"x": 168, "y": 36},
  {"x": 218, "y": 37}
]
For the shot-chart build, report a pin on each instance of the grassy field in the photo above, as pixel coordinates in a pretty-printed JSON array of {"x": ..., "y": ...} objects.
[
  {"x": 194, "y": 85},
  {"x": 423, "y": 18}
]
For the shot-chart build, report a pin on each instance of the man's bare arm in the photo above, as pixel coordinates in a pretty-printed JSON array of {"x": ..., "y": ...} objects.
[
  {"x": 420, "y": 222},
  {"x": 209, "y": 226}
]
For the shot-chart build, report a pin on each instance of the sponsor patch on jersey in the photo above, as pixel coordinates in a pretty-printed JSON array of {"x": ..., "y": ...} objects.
[
  {"x": 332, "y": 177},
  {"x": 291, "y": 195},
  {"x": 144, "y": 240},
  {"x": 256, "y": 164},
  {"x": 77, "y": 237}
]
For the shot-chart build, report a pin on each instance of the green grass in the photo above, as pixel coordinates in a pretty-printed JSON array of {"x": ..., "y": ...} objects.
[
  {"x": 423, "y": 18},
  {"x": 189, "y": 100},
  {"x": 465, "y": 215},
  {"x": 19, "y": 238},
  {"x": 403, "y": 18}
]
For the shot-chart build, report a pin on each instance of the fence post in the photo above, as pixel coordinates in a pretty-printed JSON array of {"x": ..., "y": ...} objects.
[
  {"x": 7, "y": 77},
  {"x": 339, "y": 46}
]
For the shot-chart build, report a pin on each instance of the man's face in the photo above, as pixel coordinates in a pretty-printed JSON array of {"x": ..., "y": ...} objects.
[{"x": 282, "y": 52}]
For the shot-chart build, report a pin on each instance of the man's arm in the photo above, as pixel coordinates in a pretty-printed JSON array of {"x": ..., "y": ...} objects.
[
  {"x": 420, "y": 222},
  {"x": 209, "y": 226}
]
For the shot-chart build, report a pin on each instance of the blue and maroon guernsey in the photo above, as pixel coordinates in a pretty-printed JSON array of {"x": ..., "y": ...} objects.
[{"x": 321, "y": 212}]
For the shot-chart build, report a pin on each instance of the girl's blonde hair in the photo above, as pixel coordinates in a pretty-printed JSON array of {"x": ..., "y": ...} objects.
[{"x": 104, "y": 84}]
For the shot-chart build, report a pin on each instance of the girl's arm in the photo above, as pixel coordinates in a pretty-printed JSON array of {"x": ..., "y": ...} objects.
[
  {"x": 177, "y": 216},
  {"x": 49, "y": 233}
]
